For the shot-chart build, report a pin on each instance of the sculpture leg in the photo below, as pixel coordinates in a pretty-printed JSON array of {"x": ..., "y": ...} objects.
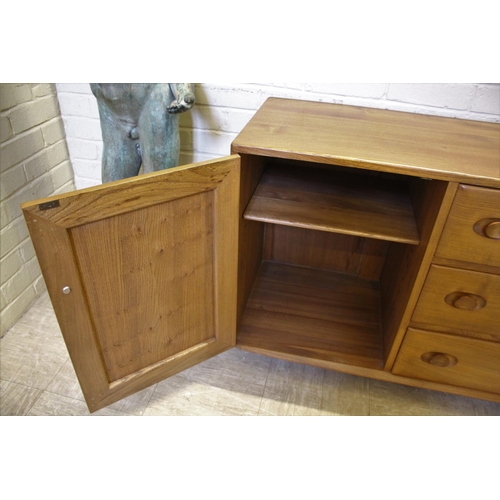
[
  {"x": 159, "y": 131},
  {"x": 120, "y": 156}
]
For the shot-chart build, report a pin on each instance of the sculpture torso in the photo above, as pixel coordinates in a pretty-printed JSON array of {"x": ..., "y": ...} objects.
[{"x": 139, "y": 125}]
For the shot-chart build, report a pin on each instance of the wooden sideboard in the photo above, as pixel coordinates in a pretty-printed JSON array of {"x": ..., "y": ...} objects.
[{"x": 358, "y": 240}]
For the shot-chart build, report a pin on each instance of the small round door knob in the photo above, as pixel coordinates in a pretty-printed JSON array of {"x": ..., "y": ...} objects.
[{"x": 66, "y": 290}]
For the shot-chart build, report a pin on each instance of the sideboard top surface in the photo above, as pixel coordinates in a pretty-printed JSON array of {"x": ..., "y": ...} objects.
[{"x": 373, "y": 139}]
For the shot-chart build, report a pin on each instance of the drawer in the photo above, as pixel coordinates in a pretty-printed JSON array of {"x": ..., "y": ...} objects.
[
  {"x": 462, "y": 299},
  {"x": 450, "y": 360},
  {"x": 472, "y": 230}
]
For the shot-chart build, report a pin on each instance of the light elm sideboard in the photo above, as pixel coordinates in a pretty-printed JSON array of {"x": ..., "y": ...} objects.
[{"x": 359, "y": 240}]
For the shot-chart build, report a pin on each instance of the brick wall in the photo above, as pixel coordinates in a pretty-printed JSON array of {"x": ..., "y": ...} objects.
[
  {"x": 222, "y": 110},
  {"x": 34, "y": 163}
]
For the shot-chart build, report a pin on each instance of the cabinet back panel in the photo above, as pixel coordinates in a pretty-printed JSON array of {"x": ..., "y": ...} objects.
[
  {"x": 318, "y": 249},
  {"x": 323, "y": 250}
]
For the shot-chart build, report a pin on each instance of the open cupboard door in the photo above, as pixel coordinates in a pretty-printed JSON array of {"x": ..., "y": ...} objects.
[{"x": 142, "y": 274}]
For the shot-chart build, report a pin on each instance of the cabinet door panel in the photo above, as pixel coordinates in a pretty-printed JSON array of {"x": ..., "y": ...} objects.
[{"x": 142, "y": 274}]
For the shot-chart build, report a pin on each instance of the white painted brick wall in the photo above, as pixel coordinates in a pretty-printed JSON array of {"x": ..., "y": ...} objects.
[
  {"x": 222, "y": 110},
  {"x": 34, "y": 163}
]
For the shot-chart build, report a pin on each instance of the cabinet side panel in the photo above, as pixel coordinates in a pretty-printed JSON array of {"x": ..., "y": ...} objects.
[
  {"x": 406, "y": 266},
  {"x": 251, "y": 233}
]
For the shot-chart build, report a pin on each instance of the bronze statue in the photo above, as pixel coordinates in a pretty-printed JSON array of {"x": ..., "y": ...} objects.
[{"x": 140, "y": 125}]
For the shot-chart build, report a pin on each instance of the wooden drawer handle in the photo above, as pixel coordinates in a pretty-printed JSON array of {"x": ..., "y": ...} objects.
[
  {"x": 492, "y": 230},
  {"x": 489, "y": 228},
  {"x": 439, "y": 359},
  {"x": 465, "y": 301}
]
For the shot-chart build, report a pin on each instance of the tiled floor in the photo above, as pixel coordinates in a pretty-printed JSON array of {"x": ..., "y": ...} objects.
[{"x": 37, "y": 378}]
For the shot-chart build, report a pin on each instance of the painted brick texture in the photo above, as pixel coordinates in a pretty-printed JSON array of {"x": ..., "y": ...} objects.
[
  {"x": 222, "y": 110},
  {"x": 34, "y": 163}
]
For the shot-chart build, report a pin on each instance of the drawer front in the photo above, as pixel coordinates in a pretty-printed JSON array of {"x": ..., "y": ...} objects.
[
  {"x": 462, "y": 299},
  {"x": 450, "y": 360},
  {"x": 472, "y": 230}
]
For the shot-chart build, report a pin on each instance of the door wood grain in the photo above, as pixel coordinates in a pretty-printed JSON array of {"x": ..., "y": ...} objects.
[{"x": 142, "y": 274}]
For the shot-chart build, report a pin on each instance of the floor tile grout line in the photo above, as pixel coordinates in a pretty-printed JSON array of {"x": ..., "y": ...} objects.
[
  {"x": 476, "y": 414},
  {"x": 23, "y": 385},
  {"x": 41, "y": 391},
  {"x": 149, "y": 400},
  {"x": 63, "y": 395},
  {"x": 369, "y": 398},
  {"x": 264, "y": 388},
  {"x": 57, "y": 372},
  {"x": 44, "y": 390},
  {"x": 34, "y": 403}
]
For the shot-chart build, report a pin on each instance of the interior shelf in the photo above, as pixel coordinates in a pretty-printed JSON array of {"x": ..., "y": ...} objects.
[
  {"x": 313, "y": 314},
  {"x": 338, "y": 202}
]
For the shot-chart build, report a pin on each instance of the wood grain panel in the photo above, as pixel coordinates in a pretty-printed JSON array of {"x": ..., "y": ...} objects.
[
  {"x": 131, "y": 275},
  {"x": 116, "y": 198},
  {"x": 441, "y": 282},
  {"x": 461, "y": 331},
  {"x": 477, "y": 363},
  {"x": 152, "y": 289},
  {"x": 372, "y": 258},
  {"x": 251, "y": 233},
  {"x": 318, "y": 249},
  {"x": 314, "y": 315},
  {"x": 331, "y": 201},
  {"x": 54, "y": 252},
  {"x": 461, "y": 240},
  {"x": 406, "y": 266},
  {"x": 391, "y": 141}
]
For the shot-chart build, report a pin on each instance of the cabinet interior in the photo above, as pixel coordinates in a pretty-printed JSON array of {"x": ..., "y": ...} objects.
[{"x": 322, "y": 250}]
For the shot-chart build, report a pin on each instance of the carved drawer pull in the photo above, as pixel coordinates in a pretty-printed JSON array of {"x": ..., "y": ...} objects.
[
  {"x": 465, "y": 301},
  {"x": 489, "y": 228},
  {"x": 492, "y": 230},
  {"x": 439, "y": 359}
]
